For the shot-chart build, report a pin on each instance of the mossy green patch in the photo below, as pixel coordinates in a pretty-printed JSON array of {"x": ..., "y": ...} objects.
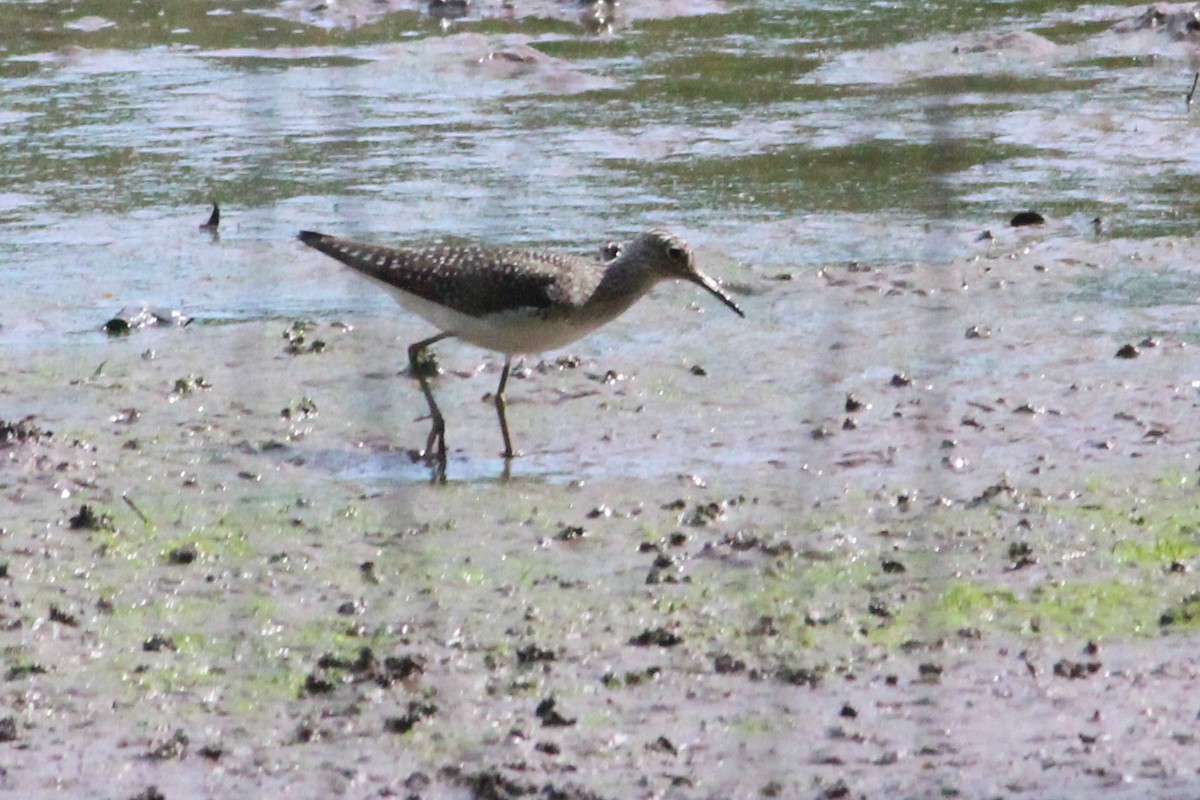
[
  {"x": 1088, "y": 610},
  {"x": 1094, "y": 610},
  {"x": 1163, "y": 549}
]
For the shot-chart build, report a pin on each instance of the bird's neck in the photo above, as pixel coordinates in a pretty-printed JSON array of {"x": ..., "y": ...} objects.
[{"x": 623, "y": 283}]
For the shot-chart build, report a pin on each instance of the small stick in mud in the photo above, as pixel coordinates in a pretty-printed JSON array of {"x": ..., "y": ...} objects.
[
  {"x": 145, "y": 520},
  {"x": 214, "y": 219},
  {"x": 1192, "y": 92}
]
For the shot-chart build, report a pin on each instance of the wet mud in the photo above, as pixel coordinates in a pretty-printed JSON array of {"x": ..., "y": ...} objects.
[{"x": 927, "y": 559}]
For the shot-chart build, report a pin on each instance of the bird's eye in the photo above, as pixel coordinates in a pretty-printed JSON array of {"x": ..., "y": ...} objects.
[{"x": 676, "y": 253}]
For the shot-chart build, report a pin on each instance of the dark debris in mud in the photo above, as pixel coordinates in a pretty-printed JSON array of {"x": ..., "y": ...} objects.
[
  {"x": 741, "y": 542},
  {"x": 1076, "y": 670},
  {"x": 492, "y": 784},
  {"x": 158, "y": 643},
  {"x": 1187, "y": 611},
  {"x": 549, "y": 715},
  {"x": 297, "y": 339},
  {"x": 702, "y": 514},
  {"x": 189, "y": 384},
  {"x": 332, "y": 670},
  {"x": 88, "y": 519},
  {"x": 929, "y": 672},
  {"x": 416, "y": 711},
  {"x": 1020, "y": 556},
  {"x": 665, "y": 570},
  {"x": 19, "y": 671},
  {"x": 659, "y": 637},
  {"x": 726, "y": 664},
  {"x": 299, "y": 409},
  {"x": 149, "y": 793},
  {"x": 570, "y": 533},
  {"x": 631, "y": 678},
  {"x": 63, "y": 617},
  {"x": 171, "y": 748},
  {"x": 533, "y": 654},
  {"x": 800, "y": 676},
  {"x": 991, "y": 493},
  {"x": 426, "y": 365},
  {"x": 25, "y": 431}
]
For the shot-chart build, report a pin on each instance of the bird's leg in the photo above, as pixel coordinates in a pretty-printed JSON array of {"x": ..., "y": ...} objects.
[
  {"x": 438, "y": 432},
  {"x": 509, "y": 453}
]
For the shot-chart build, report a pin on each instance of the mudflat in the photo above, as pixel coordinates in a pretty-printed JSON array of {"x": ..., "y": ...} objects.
[{"x": 898, "y": 533}]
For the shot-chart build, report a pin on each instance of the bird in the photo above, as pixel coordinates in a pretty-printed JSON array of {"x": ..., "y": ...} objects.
[{"x": 513, "y": 301}]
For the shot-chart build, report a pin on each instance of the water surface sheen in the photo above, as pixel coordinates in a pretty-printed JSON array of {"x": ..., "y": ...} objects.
[{"x": 775, "y": 135}]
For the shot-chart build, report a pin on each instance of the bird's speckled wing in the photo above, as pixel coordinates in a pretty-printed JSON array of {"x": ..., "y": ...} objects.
[{"x": 472, "y": 280}]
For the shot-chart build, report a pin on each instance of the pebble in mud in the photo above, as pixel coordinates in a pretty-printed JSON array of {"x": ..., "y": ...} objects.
[
  {"x": 854, "y": 403},
  {"x": 133, "y": 318},
  {"x": 183, "y": 555},
  {"x": 211, "y": 752},
  {"x": 978, "y": 332},
  {"x": 1128, "y": 351},
  {"x": 1026, "y": 218}
]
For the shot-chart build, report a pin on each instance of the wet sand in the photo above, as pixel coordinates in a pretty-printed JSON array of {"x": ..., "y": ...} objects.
[{"x": 898, "y": 533}]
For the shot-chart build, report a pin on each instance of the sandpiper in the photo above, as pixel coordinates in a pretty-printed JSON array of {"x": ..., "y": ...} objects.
[{"x": 512, "y": 301}]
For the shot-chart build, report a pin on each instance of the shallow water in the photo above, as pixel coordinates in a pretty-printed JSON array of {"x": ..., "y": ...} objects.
[
  {"x": 774, "y": 135},
  {"x": 780, "y": 139}
]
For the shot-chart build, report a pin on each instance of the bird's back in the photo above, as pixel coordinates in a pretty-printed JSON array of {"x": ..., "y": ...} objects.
[{"x": 472, "y": 280}]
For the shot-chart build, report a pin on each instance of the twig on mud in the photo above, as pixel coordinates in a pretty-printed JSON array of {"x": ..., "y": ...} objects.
[
  {"x": 1192, "y": 92},
  {"x": 145, "y": 520}
]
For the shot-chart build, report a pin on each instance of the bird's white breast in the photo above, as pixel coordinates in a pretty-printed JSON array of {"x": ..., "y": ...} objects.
[{"x": 521, "y": 331}]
